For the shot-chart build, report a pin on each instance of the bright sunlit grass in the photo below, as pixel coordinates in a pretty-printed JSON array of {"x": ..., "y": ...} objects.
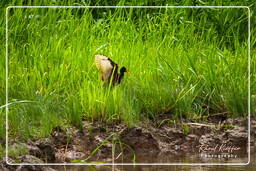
[{"x": 180, "y": 66}]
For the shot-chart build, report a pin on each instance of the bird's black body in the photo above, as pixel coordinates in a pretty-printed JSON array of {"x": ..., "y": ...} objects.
[{"x": 121, "y": 75}]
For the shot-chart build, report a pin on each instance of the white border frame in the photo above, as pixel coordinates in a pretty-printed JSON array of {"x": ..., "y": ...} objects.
[{"x": 122, "y": 164}]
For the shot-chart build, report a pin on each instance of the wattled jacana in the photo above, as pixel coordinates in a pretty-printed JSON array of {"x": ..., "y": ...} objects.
[{"x": 109, "y": 70}]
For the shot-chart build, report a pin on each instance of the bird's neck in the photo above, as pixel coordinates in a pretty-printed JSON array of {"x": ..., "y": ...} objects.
[{"x": 120, "y": 77}]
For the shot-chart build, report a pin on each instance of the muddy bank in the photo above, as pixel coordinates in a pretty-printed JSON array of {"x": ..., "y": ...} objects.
[{"x": 95, "y": 142}]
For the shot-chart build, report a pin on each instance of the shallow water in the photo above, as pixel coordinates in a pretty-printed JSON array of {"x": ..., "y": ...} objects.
[{"x": 179, "y": 159}]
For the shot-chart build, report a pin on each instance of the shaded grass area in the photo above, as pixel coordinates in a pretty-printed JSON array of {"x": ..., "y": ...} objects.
[{"x": 187, "y": 63}]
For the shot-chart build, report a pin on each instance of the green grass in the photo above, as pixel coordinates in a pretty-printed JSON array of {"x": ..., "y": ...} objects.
[
  {"x": 181, "y": 60},
  {"x": 2, "y": 152},
  {"x": 18, "y": 150}
]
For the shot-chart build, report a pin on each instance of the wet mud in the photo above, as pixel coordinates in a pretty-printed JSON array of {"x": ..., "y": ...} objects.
[{"x": 102, "y": 142}]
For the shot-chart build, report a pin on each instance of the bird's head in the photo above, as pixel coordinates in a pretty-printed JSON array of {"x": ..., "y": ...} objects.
[{"x": 123, "y": 69}]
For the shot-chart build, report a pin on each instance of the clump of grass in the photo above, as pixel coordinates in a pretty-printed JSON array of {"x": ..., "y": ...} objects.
[
  {"x": 2, "y": 152},
  {"x": 117, "y": 146},
  {"x": 17, "y": 150},
  {"x": 181, "y": 61},
  {"x": 2, "y": 125}
]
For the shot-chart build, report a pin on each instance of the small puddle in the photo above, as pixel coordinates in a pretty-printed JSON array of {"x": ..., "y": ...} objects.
[{"x": 197, "y": 158}]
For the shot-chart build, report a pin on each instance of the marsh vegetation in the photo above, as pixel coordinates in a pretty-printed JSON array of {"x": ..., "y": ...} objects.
[{"x": 187, "y": 63}]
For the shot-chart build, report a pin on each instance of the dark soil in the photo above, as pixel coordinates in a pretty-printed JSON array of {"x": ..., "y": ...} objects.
[{"x": 156, "y": 139}]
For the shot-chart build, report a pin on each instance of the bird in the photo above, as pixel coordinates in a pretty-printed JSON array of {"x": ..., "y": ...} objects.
[{"x": 109, "y": 70}]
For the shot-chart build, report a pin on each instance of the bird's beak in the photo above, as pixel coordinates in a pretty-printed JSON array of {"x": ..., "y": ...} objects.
[{"x": 128, "y": 72}]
